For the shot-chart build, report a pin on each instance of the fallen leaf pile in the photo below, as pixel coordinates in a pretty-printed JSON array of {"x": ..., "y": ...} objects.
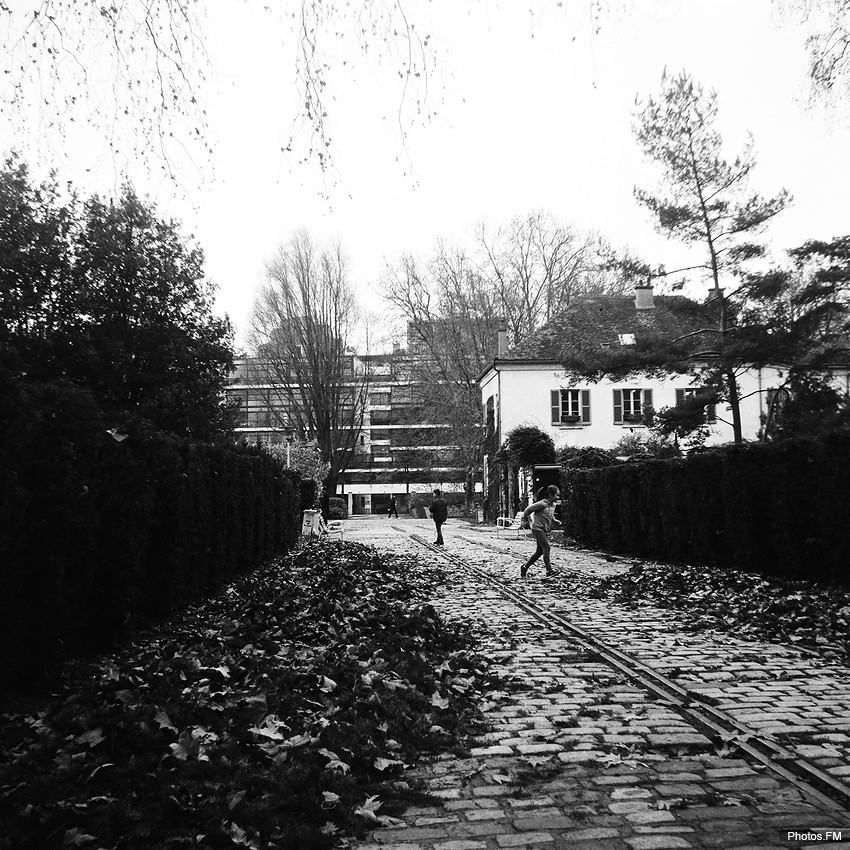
[
  {"x": 808, "y": 614},
  {"x": 277, "y": 715}
]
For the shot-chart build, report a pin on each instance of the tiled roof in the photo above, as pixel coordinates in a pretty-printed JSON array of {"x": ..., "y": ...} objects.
[{"x": 589, "y": 333}]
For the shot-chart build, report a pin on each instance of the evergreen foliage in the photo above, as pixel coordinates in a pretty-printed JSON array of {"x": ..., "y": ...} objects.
[
  {"x": 112, "y": 298},
  {"x": 526, "y": 445},
  {"x": 121, "y": 494},
  {"x": 703, "y": 199},
  {"x": 337, "y": 508},
  {"x": 97, "y": 535},
  {"x": 586, "y": 457},
  {"x": 781, "y": 509}
]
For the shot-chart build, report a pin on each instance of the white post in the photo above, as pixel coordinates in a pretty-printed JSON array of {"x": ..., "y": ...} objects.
[{"x": 287, "y": 454}]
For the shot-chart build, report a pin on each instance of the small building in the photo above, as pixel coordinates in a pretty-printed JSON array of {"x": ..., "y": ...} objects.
[{"x": 545, "y": 382}]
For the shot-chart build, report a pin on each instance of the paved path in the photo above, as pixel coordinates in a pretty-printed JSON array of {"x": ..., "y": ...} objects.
[{"x": 580, "y": 757}]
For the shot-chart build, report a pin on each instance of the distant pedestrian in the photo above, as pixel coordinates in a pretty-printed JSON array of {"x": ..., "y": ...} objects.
[
  {"x": 439, "y": 513},
  {"x": 542, "y": 515},
  {"x": 393, "y": 511}
]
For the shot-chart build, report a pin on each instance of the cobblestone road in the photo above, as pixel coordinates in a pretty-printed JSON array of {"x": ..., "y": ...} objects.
[{"x": 582, "y": 758}]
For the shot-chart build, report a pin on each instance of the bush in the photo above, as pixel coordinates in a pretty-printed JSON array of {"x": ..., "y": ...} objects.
[
  {"x": 337, "y": 508},
  {"x": 309, "y": 493},
  {"x": 642, "y": 446},
  {"x": 99, "y": 535},
  {"x": 588, "y": 457},
  {"x": 526, "y": 445}
]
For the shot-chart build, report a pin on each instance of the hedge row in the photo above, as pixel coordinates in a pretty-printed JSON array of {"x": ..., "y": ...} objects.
[
  {"x": 782, "y": 509},
  {"x": 97, "y": 535}
]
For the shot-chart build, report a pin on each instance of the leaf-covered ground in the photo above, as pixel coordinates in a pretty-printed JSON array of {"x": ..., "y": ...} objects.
[
  {"x": 808, "y": 614},
  {"x": 277, "y": 715}
]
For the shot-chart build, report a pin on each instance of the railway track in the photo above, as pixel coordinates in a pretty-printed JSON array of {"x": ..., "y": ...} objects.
[{"x": 717, "y": 725}]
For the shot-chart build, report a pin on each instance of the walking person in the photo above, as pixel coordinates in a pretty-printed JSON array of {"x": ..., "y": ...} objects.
[
  {"x": 542, "y": 515},
  {"x": 439, "y": 513},
  {"x": 393, "y": 511}
]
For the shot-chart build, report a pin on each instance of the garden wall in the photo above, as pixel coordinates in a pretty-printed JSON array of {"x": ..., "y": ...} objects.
[
  {"x": 97, "y": 535},
  {"x": 782, "y": 509}
]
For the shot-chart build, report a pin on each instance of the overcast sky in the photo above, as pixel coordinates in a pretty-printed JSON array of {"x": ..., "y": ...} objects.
[{"x": 533, "y": 112}]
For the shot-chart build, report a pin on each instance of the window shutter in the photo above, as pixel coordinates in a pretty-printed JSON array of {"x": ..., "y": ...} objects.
[
  {"x": 646, "y": 411},
  {"x": 556, "y": 406},
  {"x": 585, "y": 407},
  {"x": 711, "y": 413},
  {"x": 618, "y": 407},
  {"x": 680, "y": 398}
]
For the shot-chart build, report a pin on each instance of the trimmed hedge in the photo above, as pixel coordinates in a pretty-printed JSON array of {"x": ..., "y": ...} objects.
[
  {"x": 98, "y": 535},
  {"x": 781, "y": 509}
]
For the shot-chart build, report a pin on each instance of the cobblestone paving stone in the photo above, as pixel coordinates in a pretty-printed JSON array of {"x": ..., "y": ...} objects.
[{"x": 580, "y": 757}]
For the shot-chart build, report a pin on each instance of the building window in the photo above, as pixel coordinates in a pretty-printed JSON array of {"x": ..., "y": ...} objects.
[
  {"x": 776, "y": 399},
  {"x": 380, "y": 417},
  {"x": 379, "y": 399},
  {"x": 570, "y": 407},
  {"x": 490, "y": 418},
  {"x": 631, "y": 406},
  {"x": 693, "y": 392}
]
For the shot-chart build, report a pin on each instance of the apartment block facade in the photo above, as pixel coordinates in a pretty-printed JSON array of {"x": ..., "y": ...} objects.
[{"x": 400, "y": 448}]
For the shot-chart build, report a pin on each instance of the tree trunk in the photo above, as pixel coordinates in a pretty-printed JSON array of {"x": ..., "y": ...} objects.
[{"x": 735, "y": 404}]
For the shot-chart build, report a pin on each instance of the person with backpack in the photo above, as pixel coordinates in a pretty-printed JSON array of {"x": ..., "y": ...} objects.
[
  {"x": 542, "y": 515},
  {"x": 439, "y": 513}
]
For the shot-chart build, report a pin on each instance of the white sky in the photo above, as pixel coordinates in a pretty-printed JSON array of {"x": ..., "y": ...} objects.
[{"x": 529, "y": 118}]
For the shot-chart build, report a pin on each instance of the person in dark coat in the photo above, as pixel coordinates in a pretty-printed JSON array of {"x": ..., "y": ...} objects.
[
  {"x": 393, "y": 511},
  {"x": 439, "y": 513}
]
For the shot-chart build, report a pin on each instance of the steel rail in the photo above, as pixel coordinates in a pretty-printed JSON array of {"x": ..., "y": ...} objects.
[{"x": 714, "y": 723}]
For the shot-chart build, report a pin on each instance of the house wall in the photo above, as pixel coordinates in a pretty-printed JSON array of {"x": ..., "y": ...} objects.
[{"x": 525, "y": 400}]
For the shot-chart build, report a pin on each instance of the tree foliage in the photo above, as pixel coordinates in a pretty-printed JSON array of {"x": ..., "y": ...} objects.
[
  {"x": 108, "y": 295},
  {"x": 703, "y": 199},
  {"x": 526, "y": 445},
  {"x": 302, "y": 330},
  {"x": 305, "y": 459}
]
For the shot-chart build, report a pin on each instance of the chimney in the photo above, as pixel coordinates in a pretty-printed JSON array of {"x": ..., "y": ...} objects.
[
  {"x": 714, "y": 294},
  {"x": 502, "y": 342},
  {"x": 644, "y": 299}
]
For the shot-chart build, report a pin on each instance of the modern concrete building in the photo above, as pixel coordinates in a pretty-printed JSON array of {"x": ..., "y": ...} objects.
[{"x": 400, "y": 449}]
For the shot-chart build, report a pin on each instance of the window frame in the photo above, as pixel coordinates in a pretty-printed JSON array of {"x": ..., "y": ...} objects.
[
  {"x": 631, "y": 419},
  {"x": 576, "y": 412},
  {"x": 689, "y": 392}
]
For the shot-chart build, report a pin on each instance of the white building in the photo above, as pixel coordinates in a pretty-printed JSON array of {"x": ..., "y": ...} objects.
[{"x": 536, "y": 386}]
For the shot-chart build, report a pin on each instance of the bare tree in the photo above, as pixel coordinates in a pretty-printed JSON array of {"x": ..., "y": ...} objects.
[
  {"x": 536, "y": 265},
  {"x": 455, "y": 304},
  {"x": 825, "y": 25},
  {"x": 304, "y": 321},
  {"x": 135, "y": 71},
  {"x": 453, "y": 320}
]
